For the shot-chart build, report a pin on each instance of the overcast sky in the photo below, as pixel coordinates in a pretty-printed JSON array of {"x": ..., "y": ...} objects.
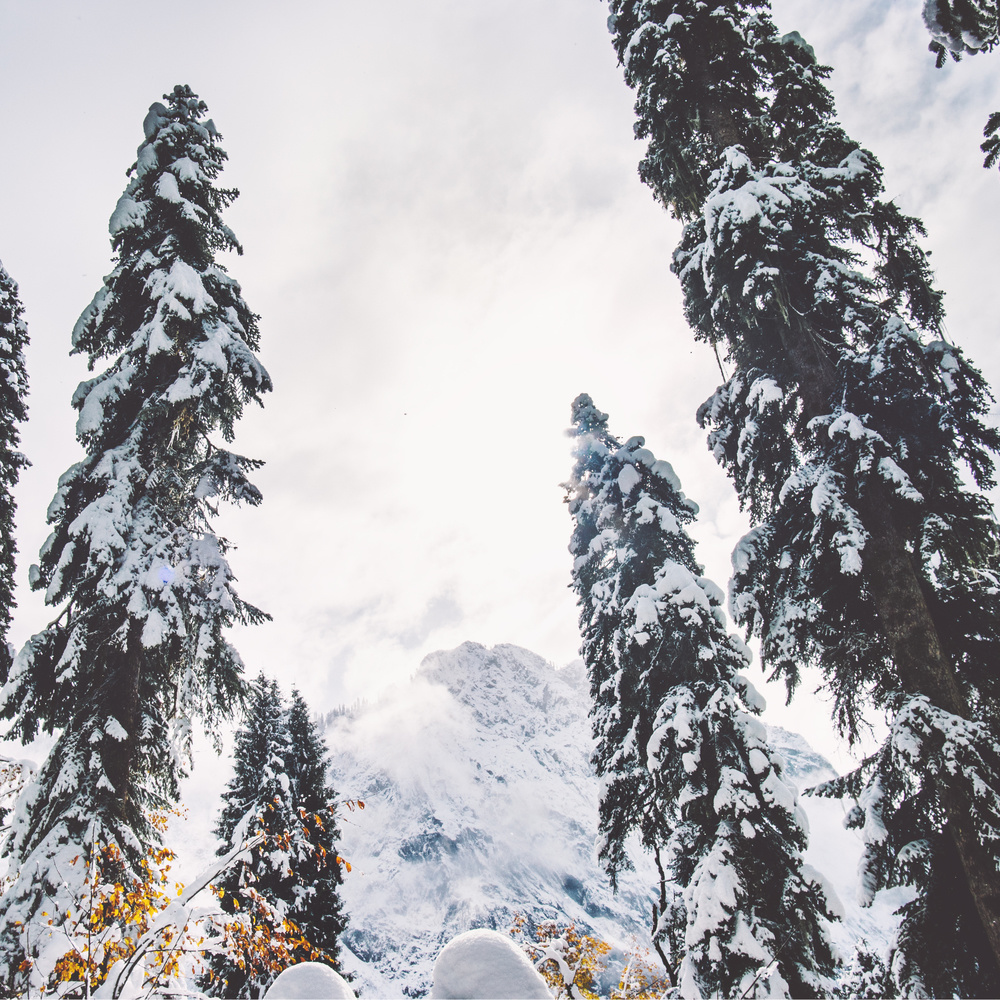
[{"x": 447, "y": 240}]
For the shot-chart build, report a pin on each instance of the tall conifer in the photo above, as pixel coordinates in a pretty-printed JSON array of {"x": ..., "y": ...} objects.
[
  {"x": 258, "y": 798},
  {"x": 966, "y": 27},
  {"x": 13, "y": 411},
  {"x": 138, "y": 649},
  {"x": 682, "y": 758},
  {"x": 844, "y": 426},
  {"x": 315, "y": 906}
]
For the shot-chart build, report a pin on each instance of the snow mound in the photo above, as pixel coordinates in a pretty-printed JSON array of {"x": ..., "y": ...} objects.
[
  {"x": 309, "y": 981},
  {"x": 484, "y": 964}
]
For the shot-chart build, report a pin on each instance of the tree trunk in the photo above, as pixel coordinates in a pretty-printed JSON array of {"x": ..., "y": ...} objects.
[
  {"x": 119, "y": 755},
  {"x": 658, "y": 912}
]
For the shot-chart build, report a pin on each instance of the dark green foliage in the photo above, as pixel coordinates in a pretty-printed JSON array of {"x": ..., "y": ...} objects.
[
  {"x": 900, "y": 816},
  {"x": 259, "y": 780},
  {"x": 961, "y": 27},
  {"x": 851, "y": 427},
  {"x": 991, "y": 147},
  {"x": 867, "y": 978},
  {"x": 619, "y": 543},
  {"x": 316, "y": 907},
  {"x": 924, "y": 961},
  {"x": 257, "y": 799},
  {"x": 771, "y": 265},
  {"x": 966, "y": 27},
  {"x": 13, "y": 411}
]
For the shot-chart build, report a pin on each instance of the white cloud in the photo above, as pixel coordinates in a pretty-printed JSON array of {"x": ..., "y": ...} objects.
[{"x": 447, "y": 241}]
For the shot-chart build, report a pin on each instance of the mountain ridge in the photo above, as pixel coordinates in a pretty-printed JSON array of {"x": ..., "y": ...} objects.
[{"x": 481, "y": 805}]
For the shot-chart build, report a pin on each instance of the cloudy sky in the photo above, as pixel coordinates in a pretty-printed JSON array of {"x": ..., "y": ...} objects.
[{"x": 447, "y": 241}]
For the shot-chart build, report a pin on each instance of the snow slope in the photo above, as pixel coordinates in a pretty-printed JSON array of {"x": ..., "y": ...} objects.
[{"x": 481, "y": 804}]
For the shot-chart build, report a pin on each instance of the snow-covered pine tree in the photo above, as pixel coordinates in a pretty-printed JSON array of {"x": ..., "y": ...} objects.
[
  {"x": 13, "y": 392},
  {"x": 843, "y": 426},
  {"x": 258, "y": 797},
  {"x": 683, "y": 760},
  {"x": 138, "y": 650},
  {"x": 315, "y": 906},
  {"x": 279, "y": 786}
]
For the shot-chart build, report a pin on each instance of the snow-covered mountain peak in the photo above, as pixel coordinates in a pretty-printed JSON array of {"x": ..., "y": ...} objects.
[
  {"x": 481, "y": 804},
  {"x": 802, "y": 764},
  {"x": 507, "y": 685}
]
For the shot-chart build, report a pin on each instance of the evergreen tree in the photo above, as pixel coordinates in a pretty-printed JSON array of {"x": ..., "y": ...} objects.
[
  {"x": 279, "y": 787},
  {"x": 146, "y": 593},
  {"x": 315, "y": 906},
  {"x": 682, "y": 758},
  {"x": 843, "y": 426},
  {"x": 13, "y": 390}
]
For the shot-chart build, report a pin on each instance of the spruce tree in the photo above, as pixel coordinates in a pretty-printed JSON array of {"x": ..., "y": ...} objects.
[
  {"x": 315, "y": 906},
  {"x": 844, "y": 427},
  {"x": 138, "y": 649},
  {"x": 13, "y": 411},
  {"x": 683, "y": 759},
  {"x": 279, "y": 787},
  {"x": 257, "y": 799}
]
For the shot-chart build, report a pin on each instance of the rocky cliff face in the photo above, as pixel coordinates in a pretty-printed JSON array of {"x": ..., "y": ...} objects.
[{"x": 480, "y": 804}]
